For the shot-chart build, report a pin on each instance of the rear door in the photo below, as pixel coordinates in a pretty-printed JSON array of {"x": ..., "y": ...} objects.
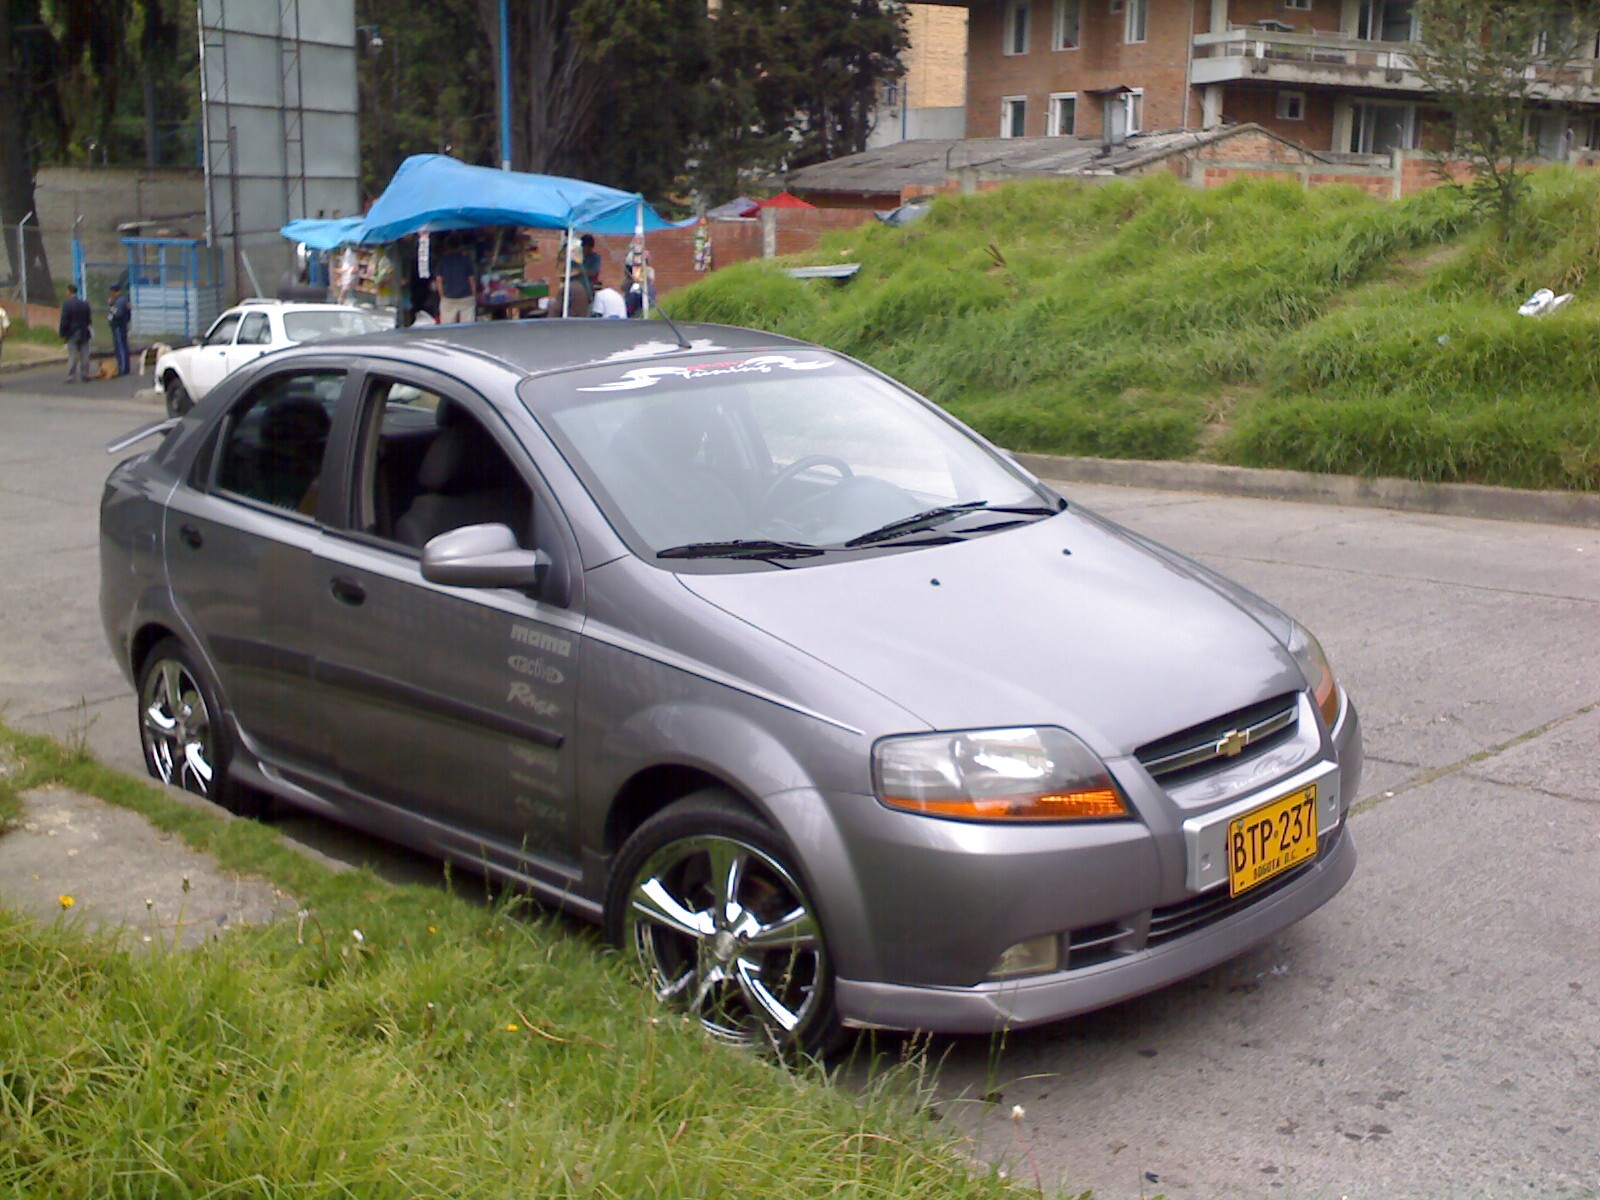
[
  {"x": 239, "y": 540},
  {"x": 452, "y": 704}
]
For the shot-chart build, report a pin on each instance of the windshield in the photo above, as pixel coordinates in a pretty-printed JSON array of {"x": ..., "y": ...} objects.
[
  {"x": 774, "y": 455},
  {"x": 319, "y": 326}
]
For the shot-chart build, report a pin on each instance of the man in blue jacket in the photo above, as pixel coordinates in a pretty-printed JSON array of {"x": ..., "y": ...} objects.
[{"x": 121, "y": 316}]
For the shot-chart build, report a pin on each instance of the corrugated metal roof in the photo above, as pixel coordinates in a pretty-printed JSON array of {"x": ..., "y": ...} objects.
[{"x": 934, "y": 162}]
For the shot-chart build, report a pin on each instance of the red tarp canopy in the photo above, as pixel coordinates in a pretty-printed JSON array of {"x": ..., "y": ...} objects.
[{"x": 781, "y": 200}]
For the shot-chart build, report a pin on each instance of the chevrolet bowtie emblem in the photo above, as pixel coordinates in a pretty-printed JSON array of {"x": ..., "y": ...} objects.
[{"x": 1232, "y": 743}]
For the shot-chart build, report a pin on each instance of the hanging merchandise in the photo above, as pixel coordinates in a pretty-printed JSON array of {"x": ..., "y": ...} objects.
[
  {"x": 702, "y": 245},
  {"x": 424, "y": 254}
]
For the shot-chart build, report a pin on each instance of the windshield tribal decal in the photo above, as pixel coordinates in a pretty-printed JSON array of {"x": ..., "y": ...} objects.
[{"x": 761, "y": 364}]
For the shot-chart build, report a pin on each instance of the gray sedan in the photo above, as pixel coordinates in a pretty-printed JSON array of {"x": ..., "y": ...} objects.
[{"x": 828, "y": 711}]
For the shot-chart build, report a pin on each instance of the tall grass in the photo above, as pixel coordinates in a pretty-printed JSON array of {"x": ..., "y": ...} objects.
[
  {"x": 397, "y": 1041},
  {"x": 1148, "y": 319}
]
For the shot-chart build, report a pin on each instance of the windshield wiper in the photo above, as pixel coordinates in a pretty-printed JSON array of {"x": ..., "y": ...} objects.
[
  {"x": 918, "y": 522},
  {"x": 740, "y": 548}
]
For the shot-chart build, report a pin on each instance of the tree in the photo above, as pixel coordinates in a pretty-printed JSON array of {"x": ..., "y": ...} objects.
[
  {"x": 25, "y": 53},
  {"x": 1498, "y": 65}
]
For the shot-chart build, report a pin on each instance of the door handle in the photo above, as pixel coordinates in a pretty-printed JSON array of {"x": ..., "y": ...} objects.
[
  {"x": 190, "y": 536},
  {"x": 348, "y": 591}
]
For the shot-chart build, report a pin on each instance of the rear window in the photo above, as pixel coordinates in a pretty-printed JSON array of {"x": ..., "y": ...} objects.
[{"x": 320, "y": 326}]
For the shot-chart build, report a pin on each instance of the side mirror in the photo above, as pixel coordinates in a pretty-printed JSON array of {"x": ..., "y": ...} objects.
[{"x": 483, "y": 556}]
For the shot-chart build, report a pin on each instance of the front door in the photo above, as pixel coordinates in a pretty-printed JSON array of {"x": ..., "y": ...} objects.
[
  {"x": 456, "y": 704},
  {"x": 208, "y": 362}
]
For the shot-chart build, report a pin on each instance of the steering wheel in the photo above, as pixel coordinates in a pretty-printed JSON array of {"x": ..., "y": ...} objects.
[{"x": 800, "y": 466}]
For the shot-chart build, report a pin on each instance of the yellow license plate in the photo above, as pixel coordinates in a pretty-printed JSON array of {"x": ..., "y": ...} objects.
[{"x": 1271, "y": 839}]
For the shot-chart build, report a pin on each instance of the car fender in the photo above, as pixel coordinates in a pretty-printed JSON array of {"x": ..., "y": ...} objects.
[
  {"x": 175, "y": 362},
  {"x": 756, "y": 763}
]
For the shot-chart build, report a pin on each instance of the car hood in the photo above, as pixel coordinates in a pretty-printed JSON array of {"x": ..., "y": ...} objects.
[{"x": 1066, "y": 621}]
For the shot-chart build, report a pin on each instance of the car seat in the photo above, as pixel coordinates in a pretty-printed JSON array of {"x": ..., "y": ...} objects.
[
  {"x": 294, "y": 434},
  {"x": 465, "y": 479},
  {"x": 669, "y": 490}
]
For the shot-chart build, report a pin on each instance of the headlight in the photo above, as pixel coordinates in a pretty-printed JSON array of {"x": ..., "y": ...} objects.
[
  {"x": 1307, "y": 652},
  {"x": 996, "y": 775}
]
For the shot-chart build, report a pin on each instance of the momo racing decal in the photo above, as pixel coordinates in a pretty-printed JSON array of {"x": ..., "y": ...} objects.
[{"x": 761, "y": 364}]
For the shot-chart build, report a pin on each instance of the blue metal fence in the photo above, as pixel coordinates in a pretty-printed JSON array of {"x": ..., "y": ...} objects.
[{"x": 175, "y": 286}]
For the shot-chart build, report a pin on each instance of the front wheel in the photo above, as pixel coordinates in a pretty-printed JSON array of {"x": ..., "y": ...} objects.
[
  {"x": 178, "y": 401},
  {"x": 705, "y": 899}
]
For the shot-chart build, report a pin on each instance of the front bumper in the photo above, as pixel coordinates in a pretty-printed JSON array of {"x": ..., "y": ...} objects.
[{"x": 1016, "y": 1004}]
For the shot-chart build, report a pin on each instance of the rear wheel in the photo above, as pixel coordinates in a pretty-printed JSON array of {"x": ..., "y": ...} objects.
[
  {"x": 706, "y": 899},
  {"x": 178, "y": 401},
  {"x": 183, "y": 730}
]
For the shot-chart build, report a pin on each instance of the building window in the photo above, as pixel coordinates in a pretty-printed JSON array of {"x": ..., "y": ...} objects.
[
  {"x": 1297, "y": 5},
  {"x": 1377, "y": 128},
  {"x": 891, "y": 95},
  {"x": 1291, "y": 106},
  {"x": 1013, "y": 116},
  {"x": 1068, "y": 20},
  {"x": 1063, "y": 119},
  {"x": 1018, "y": 18},
  {"x": 1387, "y": 21},
  {"x": 1134, "y": 101},
  {"x": 1133, "y": 20}
]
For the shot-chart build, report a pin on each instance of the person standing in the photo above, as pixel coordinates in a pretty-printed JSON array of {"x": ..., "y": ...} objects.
[
  {"x": 119, "y": 320},
  {"x": 74, "y": 330},
  {"x": 456, "y": 278}
]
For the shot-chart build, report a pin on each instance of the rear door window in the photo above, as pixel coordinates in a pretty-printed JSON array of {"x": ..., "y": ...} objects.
[{"x": 275, "y": 439}]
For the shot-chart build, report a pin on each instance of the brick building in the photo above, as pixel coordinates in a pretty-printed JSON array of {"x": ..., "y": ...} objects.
[{"x": 1332, "y": 75}]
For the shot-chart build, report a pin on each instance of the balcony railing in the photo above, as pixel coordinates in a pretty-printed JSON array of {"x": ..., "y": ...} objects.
[
  {"x": 1332, "y": 58},
  {"x": 1330, "y": 50}
]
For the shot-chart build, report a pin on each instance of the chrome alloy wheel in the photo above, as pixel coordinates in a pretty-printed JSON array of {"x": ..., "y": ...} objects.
[
  {"x": 175, "y": 725},
  {"x": 723, "y": 929}
]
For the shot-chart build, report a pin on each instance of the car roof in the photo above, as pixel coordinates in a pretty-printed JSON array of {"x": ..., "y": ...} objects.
[
  {"x": 540, "y": 346},
  {"x": 267, "y": 305}
]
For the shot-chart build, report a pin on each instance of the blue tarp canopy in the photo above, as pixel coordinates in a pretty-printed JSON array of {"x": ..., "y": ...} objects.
[
  {"x": 324, "y": 234},
  {"x": 434, "y": 191}
]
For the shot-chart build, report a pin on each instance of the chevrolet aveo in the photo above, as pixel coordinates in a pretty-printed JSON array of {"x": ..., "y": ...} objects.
[{"x": 830, "y": 713}]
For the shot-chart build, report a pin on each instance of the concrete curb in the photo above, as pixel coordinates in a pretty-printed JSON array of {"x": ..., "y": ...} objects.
[
  {"x": 1405, "y": 495},
  {"x": 8, "y": 367}
]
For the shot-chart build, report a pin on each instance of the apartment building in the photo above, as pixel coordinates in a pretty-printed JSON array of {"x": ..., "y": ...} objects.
[
  {"x": 929, "y": 100},
  {"x": 1331, "y": 75}
]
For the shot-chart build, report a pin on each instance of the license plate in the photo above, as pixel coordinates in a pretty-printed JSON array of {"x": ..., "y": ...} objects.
[{"x": 1271, "y": 839}]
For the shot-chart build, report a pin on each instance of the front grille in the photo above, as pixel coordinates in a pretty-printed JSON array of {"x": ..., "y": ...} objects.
[
  {"x": 1238, "y": 735},
  {"x": 1095, "y": 944}
]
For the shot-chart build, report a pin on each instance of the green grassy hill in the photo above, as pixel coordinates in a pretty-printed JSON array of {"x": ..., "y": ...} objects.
[{"x": 1257, "y": 324}]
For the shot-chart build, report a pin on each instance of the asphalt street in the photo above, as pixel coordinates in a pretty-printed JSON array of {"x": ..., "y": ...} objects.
[{"x": 1434, "y": 1031}]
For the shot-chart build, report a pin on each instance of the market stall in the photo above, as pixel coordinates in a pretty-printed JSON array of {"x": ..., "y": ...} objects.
[{"x": 433, "y": 194}]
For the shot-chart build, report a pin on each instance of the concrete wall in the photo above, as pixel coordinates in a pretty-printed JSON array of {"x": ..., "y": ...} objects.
[
  {"x": 109, "y": 196},
  {"x": 672, "y": 250},
  {"x": 917, "y": 123}
]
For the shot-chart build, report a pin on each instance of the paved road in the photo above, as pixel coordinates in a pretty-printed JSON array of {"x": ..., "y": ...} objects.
[{"x": 1434, "y": 1031}]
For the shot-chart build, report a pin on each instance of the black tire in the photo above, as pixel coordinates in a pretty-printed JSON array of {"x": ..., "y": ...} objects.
[
  {"x": 183, "y": 729},
  {"x": 178, "y": 401},
  {"x": 779, "y": 996}
]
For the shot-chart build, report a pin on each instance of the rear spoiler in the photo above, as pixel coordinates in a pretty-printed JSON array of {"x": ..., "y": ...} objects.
[{"x": 139, "y": 435}]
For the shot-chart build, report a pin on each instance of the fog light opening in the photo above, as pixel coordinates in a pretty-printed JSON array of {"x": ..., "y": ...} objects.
[{"x": 1036, "y": 956}]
